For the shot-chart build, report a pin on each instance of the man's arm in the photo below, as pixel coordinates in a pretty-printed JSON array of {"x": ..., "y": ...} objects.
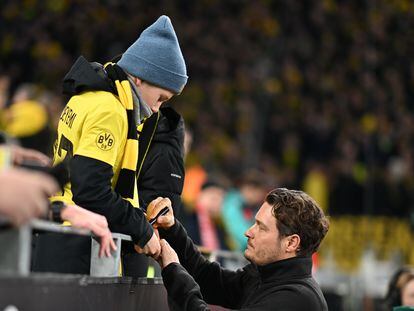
[
  {"x": 218, "y": 286},
  {"x": 182, "y": 288},
  {"x": 183, "y": 291}
]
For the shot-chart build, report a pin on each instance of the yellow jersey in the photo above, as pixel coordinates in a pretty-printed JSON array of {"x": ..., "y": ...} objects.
[{"x": 94, "y": 125}]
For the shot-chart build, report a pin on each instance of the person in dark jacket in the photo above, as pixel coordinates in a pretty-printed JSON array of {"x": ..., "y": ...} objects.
[
  {"x": 288, "y": 229},
  {"x": 161, "y": 175}
]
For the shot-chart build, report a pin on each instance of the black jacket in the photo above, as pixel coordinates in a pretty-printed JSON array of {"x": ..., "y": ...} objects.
[
  {"x": 284, "y": 285},
  {"x": 162, "y": 172}
]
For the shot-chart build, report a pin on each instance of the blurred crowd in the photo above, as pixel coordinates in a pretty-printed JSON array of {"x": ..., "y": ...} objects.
[{"x": 307, "y": 94}]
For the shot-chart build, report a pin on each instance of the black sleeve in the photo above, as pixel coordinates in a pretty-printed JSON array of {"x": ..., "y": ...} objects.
[
  {"x": 182, "y": 288},
  {"x": 218, "y": 286},
  {"x": 91, "y": 189},
  {"x": 162, "y": 175}
]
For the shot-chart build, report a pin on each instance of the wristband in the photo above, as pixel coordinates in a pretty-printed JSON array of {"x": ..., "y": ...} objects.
[{"x": 55, "y": 211}]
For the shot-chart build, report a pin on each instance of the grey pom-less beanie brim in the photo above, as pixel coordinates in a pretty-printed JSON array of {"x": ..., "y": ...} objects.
[
  {"x": 156, "y": 57},
  {"x": 154, "y": 74}
]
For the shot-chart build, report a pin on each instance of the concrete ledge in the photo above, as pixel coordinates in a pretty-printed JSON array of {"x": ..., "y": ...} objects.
[{"x": 74, "y": 292}]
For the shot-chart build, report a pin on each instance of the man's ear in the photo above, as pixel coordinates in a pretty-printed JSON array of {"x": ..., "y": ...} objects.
[{"x": 292, "y": 243}]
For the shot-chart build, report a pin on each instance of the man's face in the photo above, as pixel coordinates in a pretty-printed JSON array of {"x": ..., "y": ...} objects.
[
  {"x": 152, "y": 95},
  {"x": 264, "y": 244}
]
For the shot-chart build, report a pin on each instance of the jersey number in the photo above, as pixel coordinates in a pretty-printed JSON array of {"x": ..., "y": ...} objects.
[{"x": 66, "y": 145}]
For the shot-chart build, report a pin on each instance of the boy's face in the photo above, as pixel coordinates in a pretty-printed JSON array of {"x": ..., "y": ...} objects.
[{"x": 152, "y": 95}]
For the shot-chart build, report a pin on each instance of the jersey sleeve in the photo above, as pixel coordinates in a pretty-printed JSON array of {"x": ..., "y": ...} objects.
[{"x": 103, "y": 135}]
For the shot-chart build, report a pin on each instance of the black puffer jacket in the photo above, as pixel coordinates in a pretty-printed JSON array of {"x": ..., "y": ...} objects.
[
  {"x": 162, "y": 173},
  {"x": 285, "y": 285}
]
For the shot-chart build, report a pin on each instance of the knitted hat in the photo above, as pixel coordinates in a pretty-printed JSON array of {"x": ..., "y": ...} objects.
[{"x": 156, "y": 57}]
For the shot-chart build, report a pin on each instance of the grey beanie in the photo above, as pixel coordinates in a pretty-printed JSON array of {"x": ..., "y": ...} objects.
[{"x": 156, "y": 57}]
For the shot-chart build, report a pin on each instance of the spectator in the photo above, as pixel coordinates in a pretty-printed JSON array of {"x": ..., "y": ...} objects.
[
  {"x": 240, "y": 206},
  {"x": 24, "y": 196},
  {"x": 205, "y": 224},
  {"x": 97, "y": 132},
  {"x": 400, "y": 289},
  {"x": 27, "y": 119}
]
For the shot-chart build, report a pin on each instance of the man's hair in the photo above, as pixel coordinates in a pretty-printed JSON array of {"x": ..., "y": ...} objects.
[{"x": 297, "y": 213}]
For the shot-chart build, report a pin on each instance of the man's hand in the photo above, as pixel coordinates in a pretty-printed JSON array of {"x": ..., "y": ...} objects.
[
  {"x": 166, "y": 221},
  {"x": 24, "y": 194},
  {"x": 20, "y": 155},
  {"x": 152, "y": 248},
  {"x": 82, "y": 218},
  {"x": 168, "y": 255}
]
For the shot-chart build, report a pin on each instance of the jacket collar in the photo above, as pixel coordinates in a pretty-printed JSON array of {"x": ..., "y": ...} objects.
[
  {"x": 287, "y": 269},
  {"x": 85, "y": 76}
]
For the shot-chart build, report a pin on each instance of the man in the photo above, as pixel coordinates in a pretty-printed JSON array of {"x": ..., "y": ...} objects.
[
  {"x": 288, "y": 229},
  {"x": 98, "y": 132}
]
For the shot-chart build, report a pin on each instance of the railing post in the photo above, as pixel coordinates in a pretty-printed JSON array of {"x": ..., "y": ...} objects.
[
  {"x": 16, "y": 244},
  {"x": 16, "y": 250},
  {"x": 107, "y": 266}
]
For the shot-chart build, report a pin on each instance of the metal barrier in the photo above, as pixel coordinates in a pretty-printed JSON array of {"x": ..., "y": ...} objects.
[
  {"x": 228, "y": 259},
  {"x": 17, "y": 242}
]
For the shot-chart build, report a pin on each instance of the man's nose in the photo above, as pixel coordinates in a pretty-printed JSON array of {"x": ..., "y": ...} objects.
[{"x": 248, "y": 233}]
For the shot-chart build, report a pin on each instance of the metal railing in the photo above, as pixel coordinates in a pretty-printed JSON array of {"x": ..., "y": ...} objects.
[{"x": 16, "y": 245}]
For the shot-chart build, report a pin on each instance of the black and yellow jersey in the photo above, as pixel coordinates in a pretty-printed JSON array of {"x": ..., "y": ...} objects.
[
  {"x": 92, "y": 125},
  {"x": 92, "y": 133}
]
